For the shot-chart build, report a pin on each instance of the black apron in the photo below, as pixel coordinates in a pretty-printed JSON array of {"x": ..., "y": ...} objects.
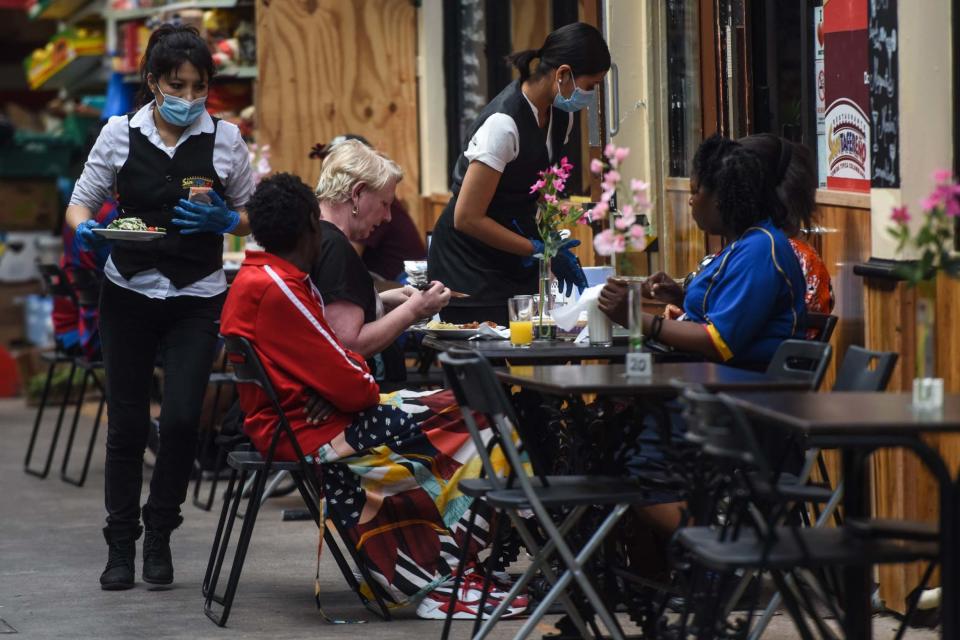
[
  {"x": 149, "y": 185},
  {"x": 465, "y": 264}
]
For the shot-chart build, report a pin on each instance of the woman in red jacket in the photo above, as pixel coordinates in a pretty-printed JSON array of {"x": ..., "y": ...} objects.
[{"x": 391, "y": 464}]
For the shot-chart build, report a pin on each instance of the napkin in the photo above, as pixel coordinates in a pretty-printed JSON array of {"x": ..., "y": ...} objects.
[
  {"x": 486, "y": 332},
  {"x": 566, "y": 317}
]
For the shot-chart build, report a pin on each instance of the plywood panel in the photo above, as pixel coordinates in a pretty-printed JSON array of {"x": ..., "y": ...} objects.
[
  {"x": 530, "y": 22},
  {"x": 328, "y": 67}
]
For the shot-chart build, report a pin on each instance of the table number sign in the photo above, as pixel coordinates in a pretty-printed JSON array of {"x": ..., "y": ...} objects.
[{"x": 639, "y": 364}]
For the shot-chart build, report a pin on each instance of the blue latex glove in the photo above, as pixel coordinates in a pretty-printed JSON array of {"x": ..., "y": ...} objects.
[
  {"x": 193, "y": 217},
  {"x": 537, "y": 249},
  {"x": 87, "y": 240},
  {"x": 567, "y": 269}
]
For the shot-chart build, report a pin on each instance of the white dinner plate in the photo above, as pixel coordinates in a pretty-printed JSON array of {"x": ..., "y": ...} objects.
[{"x": 136, "y": 236}]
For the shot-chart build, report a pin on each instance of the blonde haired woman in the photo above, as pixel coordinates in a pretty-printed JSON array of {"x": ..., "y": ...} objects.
[{"x": 356, "y": 187}]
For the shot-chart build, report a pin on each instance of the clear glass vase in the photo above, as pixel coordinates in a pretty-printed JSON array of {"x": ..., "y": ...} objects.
[
  {"x": 544, "y": 326},
  {"x": 927, "y": 387}
]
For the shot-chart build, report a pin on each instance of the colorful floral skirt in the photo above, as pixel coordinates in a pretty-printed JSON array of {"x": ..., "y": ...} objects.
[{"x": 390, "y": 483}]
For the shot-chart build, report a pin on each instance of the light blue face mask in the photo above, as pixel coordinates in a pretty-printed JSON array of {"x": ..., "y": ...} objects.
[
  {"x": 578, "y": 100},
  {"x": 180, "y": 112}
]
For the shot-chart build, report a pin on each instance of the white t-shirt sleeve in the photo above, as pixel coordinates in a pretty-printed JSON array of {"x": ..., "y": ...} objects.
[
  {"x": 97, "y": 182},
  {"x": 495, "y": 143},
  {"x": 231, "y": 160}
]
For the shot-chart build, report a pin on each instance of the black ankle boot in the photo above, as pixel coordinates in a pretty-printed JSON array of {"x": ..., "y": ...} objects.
[
  {"x": 121, "y": 569},
  {"x": 157, "y": 561}
]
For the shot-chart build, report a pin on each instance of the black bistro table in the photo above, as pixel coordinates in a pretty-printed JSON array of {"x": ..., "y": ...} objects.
[
  {"x": 554, "y": 350},
  {"x": 858, "y": 424}
]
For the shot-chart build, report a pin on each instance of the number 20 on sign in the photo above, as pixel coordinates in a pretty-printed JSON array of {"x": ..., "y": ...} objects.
[{"x": 639, "y": 364}]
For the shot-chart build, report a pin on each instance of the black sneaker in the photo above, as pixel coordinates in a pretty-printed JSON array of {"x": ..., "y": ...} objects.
[
  {"x": 120, "y": 571},
  {"x": 157, "y": 561}
]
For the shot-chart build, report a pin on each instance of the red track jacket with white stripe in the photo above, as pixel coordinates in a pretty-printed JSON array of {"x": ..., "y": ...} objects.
[{"x": 275, "y": 306}]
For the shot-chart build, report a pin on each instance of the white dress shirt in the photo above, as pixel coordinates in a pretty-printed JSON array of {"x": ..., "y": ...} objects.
[
  {"x": 497, "y": 141},
  {"x": 231, "y": 161}
]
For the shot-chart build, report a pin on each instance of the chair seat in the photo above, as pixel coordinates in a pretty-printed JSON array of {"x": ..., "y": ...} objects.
[
  {"x": 889, "y": 528},
  {"x": 789, "y": 488},
  {"x": 821, "y": 547},
  {"x": 480, "y": 487},
  {"x": 55, "y": 356},
  {"x": 221, "y": 378},
  {"x": 252, "y": 461},
  {"x": 585, "y": 490}
]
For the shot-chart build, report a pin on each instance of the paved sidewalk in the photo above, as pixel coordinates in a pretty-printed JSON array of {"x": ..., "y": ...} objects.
[{"x": 52, "y": 552}]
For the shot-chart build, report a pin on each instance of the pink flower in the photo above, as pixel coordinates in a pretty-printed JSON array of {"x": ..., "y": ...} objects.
[
  {"x": 606, "y": 195},
  {"x": 638, "y": 237},
  {"x": 610, "y": 150},
  {"x": 625, "y": 221},
  {"x": 900, "y": 215},
  {"x": 539, "y": 184},
  {"x": 621, "y": 154},
  {"x": 638, "y": 186},
  {"x": 565, "y": 164},
  {"x": 941, "y": 176},
  {"x": 599, "y": 210},
  {"x": 932, "y": 201},
  {"x": 641, "y": 202},
  {"x": 953, "y": 203},
  {"x": 585, "y": 218},
  {"x": 559, "y": 184},
  {"x": 550, "y": 199},
  {"x": 607, "y": 243},
  {"x": 611, "y": 178},
  {"x": 596, "y": 166}
]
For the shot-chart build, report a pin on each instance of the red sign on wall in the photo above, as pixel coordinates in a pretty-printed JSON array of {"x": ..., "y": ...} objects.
[{"x": 846, "y": 94}]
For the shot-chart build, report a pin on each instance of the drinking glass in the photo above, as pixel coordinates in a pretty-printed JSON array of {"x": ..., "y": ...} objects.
[{"x": 521, "y": 311}]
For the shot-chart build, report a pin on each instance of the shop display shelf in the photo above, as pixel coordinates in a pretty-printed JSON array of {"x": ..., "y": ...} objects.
[
  {"x": 80, "y": 72},
  {"x": 56, "y": 9},
  {"x": 146, "y": 12}
]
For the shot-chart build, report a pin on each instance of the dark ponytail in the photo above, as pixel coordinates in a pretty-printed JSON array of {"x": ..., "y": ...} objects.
[
  {"x": 790, "y": 176},
  {"x": 734, "y": 177},
  {"x": 578, "y": 44},
  {"x": 169, "y": 47}
]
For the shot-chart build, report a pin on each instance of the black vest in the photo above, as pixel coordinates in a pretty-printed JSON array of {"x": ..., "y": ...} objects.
[
  {"x": 465, "y": 264},
  {"x": 149, "y": 185}
]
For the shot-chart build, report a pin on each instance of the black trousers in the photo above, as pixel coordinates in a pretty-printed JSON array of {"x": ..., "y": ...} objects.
[{"x": 134, "y": 329}]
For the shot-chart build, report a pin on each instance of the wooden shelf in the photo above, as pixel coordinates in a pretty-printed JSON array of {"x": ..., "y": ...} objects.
[
  {"x": 82, "y": 71},
  {"x": 55, "y": 9},
  {"x": 146, "y": 12}
]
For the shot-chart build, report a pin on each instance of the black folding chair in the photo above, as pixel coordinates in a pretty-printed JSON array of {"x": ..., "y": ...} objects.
[
  {"x": 248, "y": 370},
  {"x": 478, "y": 392},
  {"x": 83, "y": 291},
  {"x": 823, "y": 324},
  {"x": 802, "y": 360},
  {"x": 86, "y": 285},
  {"x": 754, "y": 540}
]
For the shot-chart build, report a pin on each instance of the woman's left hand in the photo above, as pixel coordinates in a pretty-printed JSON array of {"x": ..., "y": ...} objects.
[
  {"x": 393, "y": 298},
  {"x": 194, "y": 217}
]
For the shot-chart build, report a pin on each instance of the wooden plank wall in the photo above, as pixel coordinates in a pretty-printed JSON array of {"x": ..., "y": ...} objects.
[
  {"x": 328, "y": 67},
  {"x": 682, "y": 243},
  {"x": 530, "y": 22}
]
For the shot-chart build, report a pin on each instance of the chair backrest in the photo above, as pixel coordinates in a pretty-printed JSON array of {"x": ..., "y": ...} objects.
[
  {"x": 802, "y": 360},
  {"x": 823, "y": 324},
  {"x": 247, "y": 368},
  {"x": 865, "y": 370},
  {"x": 86, "y": 285},
  {"x": 477, "y": 390},
  {"x": 56, "y": 283},
  {"x": 721, "y": 432}
]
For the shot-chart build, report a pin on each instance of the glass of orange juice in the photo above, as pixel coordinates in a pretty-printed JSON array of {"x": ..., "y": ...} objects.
[{"x": 521, "y": 320}]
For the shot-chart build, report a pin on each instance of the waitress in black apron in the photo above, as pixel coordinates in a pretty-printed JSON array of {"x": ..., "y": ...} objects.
[
  {"x": 484, "y": 241},
  {"x": 163, "y": 296}
]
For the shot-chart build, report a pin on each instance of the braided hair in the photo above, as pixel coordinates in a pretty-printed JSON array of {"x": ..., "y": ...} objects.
[
  {"x": 281, "y": 210},
  {"x": 734, "y": 177},
  {"x": 791, "y": 176}
]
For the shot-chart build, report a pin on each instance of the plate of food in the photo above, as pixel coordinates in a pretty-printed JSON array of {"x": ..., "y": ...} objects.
[
  {"x": 455, "y": 331},
  {"x": 131, "y": 229}
]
